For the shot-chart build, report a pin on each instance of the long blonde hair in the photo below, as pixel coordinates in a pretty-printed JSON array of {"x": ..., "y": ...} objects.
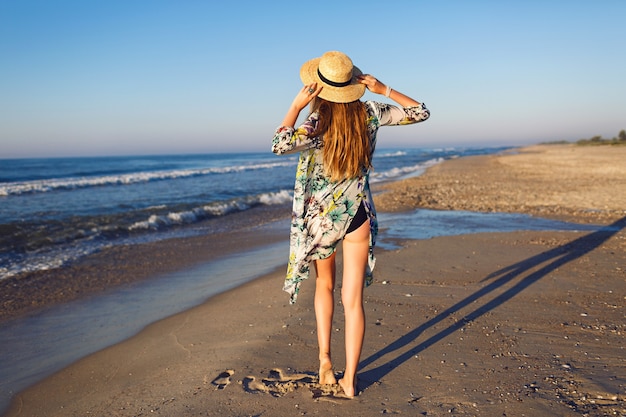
[{"x": 346, "y": 140}]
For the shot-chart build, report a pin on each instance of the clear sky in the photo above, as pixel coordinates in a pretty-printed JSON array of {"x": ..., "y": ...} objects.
[{"x": 151, "y": 76}]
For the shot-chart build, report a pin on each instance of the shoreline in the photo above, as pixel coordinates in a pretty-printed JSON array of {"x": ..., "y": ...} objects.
[
  {"x": 118, "y": 266},
  {"x": 263, "y": 334}
]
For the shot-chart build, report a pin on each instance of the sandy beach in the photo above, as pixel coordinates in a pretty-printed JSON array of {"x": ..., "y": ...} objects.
[{"x": 493, "y": 324}]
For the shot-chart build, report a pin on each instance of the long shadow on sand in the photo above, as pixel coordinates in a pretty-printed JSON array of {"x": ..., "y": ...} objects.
[{"x": 556, "y": 257}]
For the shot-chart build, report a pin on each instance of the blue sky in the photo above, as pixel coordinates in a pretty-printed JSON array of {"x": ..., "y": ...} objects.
[{"x": 148, "y": 77}]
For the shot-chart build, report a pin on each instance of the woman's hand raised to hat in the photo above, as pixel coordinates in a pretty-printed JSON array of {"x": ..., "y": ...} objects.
[
  {"x": 372, "y": 84},
  {"x": 307, "y": 93},
  {"x": 302, "y": 99}
]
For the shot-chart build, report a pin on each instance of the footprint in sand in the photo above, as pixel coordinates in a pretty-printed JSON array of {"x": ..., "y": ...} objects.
[
  {"x": 278, "y": 383},
  {"x": 251, "y": 385},
  {"x": 223, "y": 379},
  {"x": 278, "y": 375}
]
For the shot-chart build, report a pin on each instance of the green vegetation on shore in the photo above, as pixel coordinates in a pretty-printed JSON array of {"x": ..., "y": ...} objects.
[{"x": 596, "y": 140}]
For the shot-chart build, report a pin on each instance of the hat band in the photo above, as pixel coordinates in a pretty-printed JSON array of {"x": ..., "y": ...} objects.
[{"x": 332, "y": 83}]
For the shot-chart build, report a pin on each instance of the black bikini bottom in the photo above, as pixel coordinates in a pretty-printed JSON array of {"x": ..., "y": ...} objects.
[{"x": 359, "y": 218}]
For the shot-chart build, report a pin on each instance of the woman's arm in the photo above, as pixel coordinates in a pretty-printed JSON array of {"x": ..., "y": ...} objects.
[
  {"x": 288, "y": 139},
  {"x": 377, "y": 87},
  {"x": 411, "y": 111}
]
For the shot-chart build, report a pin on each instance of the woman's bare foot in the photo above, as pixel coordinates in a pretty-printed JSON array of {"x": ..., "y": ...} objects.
[
  {"x": 348, "y": 389},
  {"x": 326, "y": 375}
]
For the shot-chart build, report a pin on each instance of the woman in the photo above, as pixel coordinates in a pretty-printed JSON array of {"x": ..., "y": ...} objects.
[{"x": 332, "y": 200}]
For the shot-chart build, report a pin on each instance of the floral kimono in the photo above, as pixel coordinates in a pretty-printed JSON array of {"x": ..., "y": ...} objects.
[{"x": 323, "y": 209}]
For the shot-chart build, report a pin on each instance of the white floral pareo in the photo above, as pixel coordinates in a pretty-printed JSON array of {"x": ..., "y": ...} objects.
[{"x": 322, "y": 209}]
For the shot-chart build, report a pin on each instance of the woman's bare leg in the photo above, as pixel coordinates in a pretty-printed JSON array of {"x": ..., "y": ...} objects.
[
  {"x": 355, "y": 253},
  {"x": 324, "y": 308}
]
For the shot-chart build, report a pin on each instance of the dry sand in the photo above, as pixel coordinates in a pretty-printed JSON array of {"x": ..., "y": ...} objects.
[
  {"x": 501, "y": 324},
  {"x": 583, "y": 183}
]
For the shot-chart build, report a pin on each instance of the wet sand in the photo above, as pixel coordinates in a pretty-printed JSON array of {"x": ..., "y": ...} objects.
[
  {"x": 121, "y": 265},
  {"x": 524, "y": 323}
]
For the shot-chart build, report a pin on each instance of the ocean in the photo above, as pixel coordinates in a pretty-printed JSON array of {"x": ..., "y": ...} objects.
[{"x": 55, "y": 211}]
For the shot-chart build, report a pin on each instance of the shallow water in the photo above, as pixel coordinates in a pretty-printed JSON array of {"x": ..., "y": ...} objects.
[
  {"x": 34, "y": 347},
  {"x": 426, "y": 224}
]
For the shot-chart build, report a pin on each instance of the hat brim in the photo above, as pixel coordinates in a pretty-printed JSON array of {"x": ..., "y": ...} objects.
[{"x": 347, "y": 94}]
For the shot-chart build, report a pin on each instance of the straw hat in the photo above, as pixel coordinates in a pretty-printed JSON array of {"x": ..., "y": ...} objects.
[{"x": 336, "y": 73}]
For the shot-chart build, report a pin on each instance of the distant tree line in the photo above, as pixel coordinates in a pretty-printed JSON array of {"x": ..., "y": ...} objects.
[
  {"x": 599, "y": 140},
  {"x": 596, "y": 140}
]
